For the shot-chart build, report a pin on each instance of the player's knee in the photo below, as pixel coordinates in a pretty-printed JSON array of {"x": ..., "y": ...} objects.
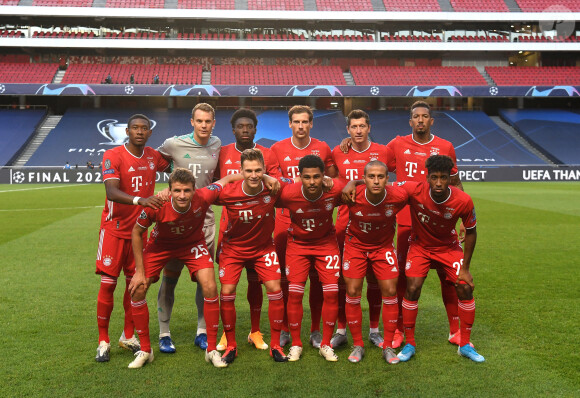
[
  {"x": 139, "y": 293},
  {"x": 228, "y": 289},
  {"x": 413, "y": 290}
]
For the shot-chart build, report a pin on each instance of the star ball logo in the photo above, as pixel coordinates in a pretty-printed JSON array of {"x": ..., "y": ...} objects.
[
  {"x": 18, "y": 177},
  {"x": 375, "y": 90},
  {"x": 253, "y": 90},
  {"x": 2, "y": 88},
  {"x": 129, "y": 90}
]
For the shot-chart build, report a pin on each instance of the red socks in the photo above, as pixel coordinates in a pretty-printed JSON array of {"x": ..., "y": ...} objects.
[
  {"x": 409, "y": 320},
  {"x": 374, "y": 299},
  {"x": 129, "y": 327},
  {"x": 342, "y": 319},
  {"x": 105, "y": 306},
  {"x": 276, "y": 316},
  {"x": 211, "y": 313},
  {"x": 354, "y": 318},
  {"x": 295, "y": 311},
  {"x": 329, "y": 311},
  {"x": 255, "y": 298},
  {"x": 466, "y": 317},
  {"x": 141, "y": 319},
  {"x": 228, "y": 312},
  {"x": 450, "y": 300},
  {"x": 390, "y": 315},
  {"x": 315, "y": 299}
]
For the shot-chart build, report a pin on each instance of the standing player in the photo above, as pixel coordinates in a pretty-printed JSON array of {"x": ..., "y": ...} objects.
[
  {"x": 198, "y": 152},
  {"x": 406, "y": 156},
  {"x": 289, "y": 152},
  {"x": 435, "y": 209},
  {"x": 129, "y": 176},
  {"x": 351, "y": 167},
  {"x": 369, "y": 247},
  {"x": 247, "y": 243},
  {"x": 177, "y": 234},
  {"x": 311, "y": 245},
  {"x": 244, "y": 123}
]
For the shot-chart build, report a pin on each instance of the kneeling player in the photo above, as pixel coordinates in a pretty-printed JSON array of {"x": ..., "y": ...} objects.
[
  {"x": 311, "y": 243},
  {"x": 435, "y": 208},
  {"x": 247, "y": 243},
  {"x": 369, "y": 242},
  {"x": 177, "y": 234}
]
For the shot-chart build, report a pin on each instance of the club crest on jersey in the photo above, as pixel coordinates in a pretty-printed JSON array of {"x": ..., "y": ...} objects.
[
  {"x": 222, "y": 272},
  {"x": 434, "y": 151},
  {"x": 346, "y": 265},
  {"x": 143, "y": 215},
  {"x": 287, "y": 271},
  {"x": 152, "y": 165},
  {"x": 408, "y": 265},
  {"x": 328, "y": 206},
  {"x": 107, "y": 261},
  {"x": 267, "y": 199},
  {"x": 108, "y": 164},
  {"x": 447, "y": 216},
  {"x": 389, "y": 213}
]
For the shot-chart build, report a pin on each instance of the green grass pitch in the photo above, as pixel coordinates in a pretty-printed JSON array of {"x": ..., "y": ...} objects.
[{"x": 527, "y": 321}]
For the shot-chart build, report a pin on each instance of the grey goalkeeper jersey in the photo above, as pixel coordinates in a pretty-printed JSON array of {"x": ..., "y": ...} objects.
[{"x": 202, "y": 160}]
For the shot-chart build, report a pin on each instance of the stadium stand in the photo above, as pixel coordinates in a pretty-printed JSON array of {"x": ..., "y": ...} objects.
[
  {"x": 418, "y": 75},
  {"x": 479, "y": 5},
  {"x": 412, "y": 5},
  {"x": 207, "y": 4},
  {"x": 63, "y": 3},
  {"x": 531, "y": 75},
  {"x": 551, "y": 5},
  {"x": 17, "y": 127},
  {"x": 480, "y": 38},
  {"x": 9, "y": 2},
  {"x": 32, "y": 73},
  {"x": 136, "y": 3},
  {"x": 388, "y": 37},
  {"x": 276, "y": 74},
  {"x": 142, "y": 74},
  {"x": 11, "y": 34},
  {"x": 344, "y": 5},
  {"x": 554, "y": 132},
  {"x": 285, "y": 5}
]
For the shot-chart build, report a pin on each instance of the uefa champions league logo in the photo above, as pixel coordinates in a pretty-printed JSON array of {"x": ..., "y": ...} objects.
[{"x": 115, "y": 132}]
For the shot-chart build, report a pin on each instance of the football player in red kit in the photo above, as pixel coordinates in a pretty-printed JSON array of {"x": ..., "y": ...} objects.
[
  {"x": 368, "y": 247},
  {"x": 289, "y": 152},
  {"x": 247, "y": 243},
  {"x": 350, "y": 168},
  {"x": 244, "y": 123},
  {"x": 311, "y": 245},
  {"x": 435, "y": 209},
  {"x": 129, "y": 173}
]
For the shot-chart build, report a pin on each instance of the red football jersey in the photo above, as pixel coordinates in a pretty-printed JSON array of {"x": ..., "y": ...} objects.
[
  {"x": 351, "y": 167},
  {"x": 136, "y": 177},
  {"x": 407, "y": 158},
  {"x": 289, "y": 156},
  {"x": 434, "y": 223},
  {"x": 174, "y": 230},
  {"x": 311, "y": 221},
  {"x": 250, "y": 218},
  {"x": 229, "y": 161},
  {"x": 372, "y": 226}
]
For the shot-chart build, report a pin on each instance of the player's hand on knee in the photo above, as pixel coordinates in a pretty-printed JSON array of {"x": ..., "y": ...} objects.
[
  {"x": 155, "y": 202},
  {"x": 137, "y": 281},
  {"x": 465, "y": 277}
]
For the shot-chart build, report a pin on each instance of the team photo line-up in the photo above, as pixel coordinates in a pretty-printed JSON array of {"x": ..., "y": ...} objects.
[{"x": 277, "y": 223}]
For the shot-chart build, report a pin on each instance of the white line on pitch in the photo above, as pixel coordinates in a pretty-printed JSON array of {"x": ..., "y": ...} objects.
[
  {"x": 52, "y": 208},
  {"x": 33, "y": 189}
]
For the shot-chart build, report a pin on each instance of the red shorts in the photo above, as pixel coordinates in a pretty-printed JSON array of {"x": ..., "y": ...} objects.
[
  {"x": 195, "y": 257},
  {"x": 419, "y": 260},
  {"x": 355, "y": 262},
  {"x": 325, "y": 258},
  {"x": 266, "y": 264},
  {"x": 113, "y": 255}
]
